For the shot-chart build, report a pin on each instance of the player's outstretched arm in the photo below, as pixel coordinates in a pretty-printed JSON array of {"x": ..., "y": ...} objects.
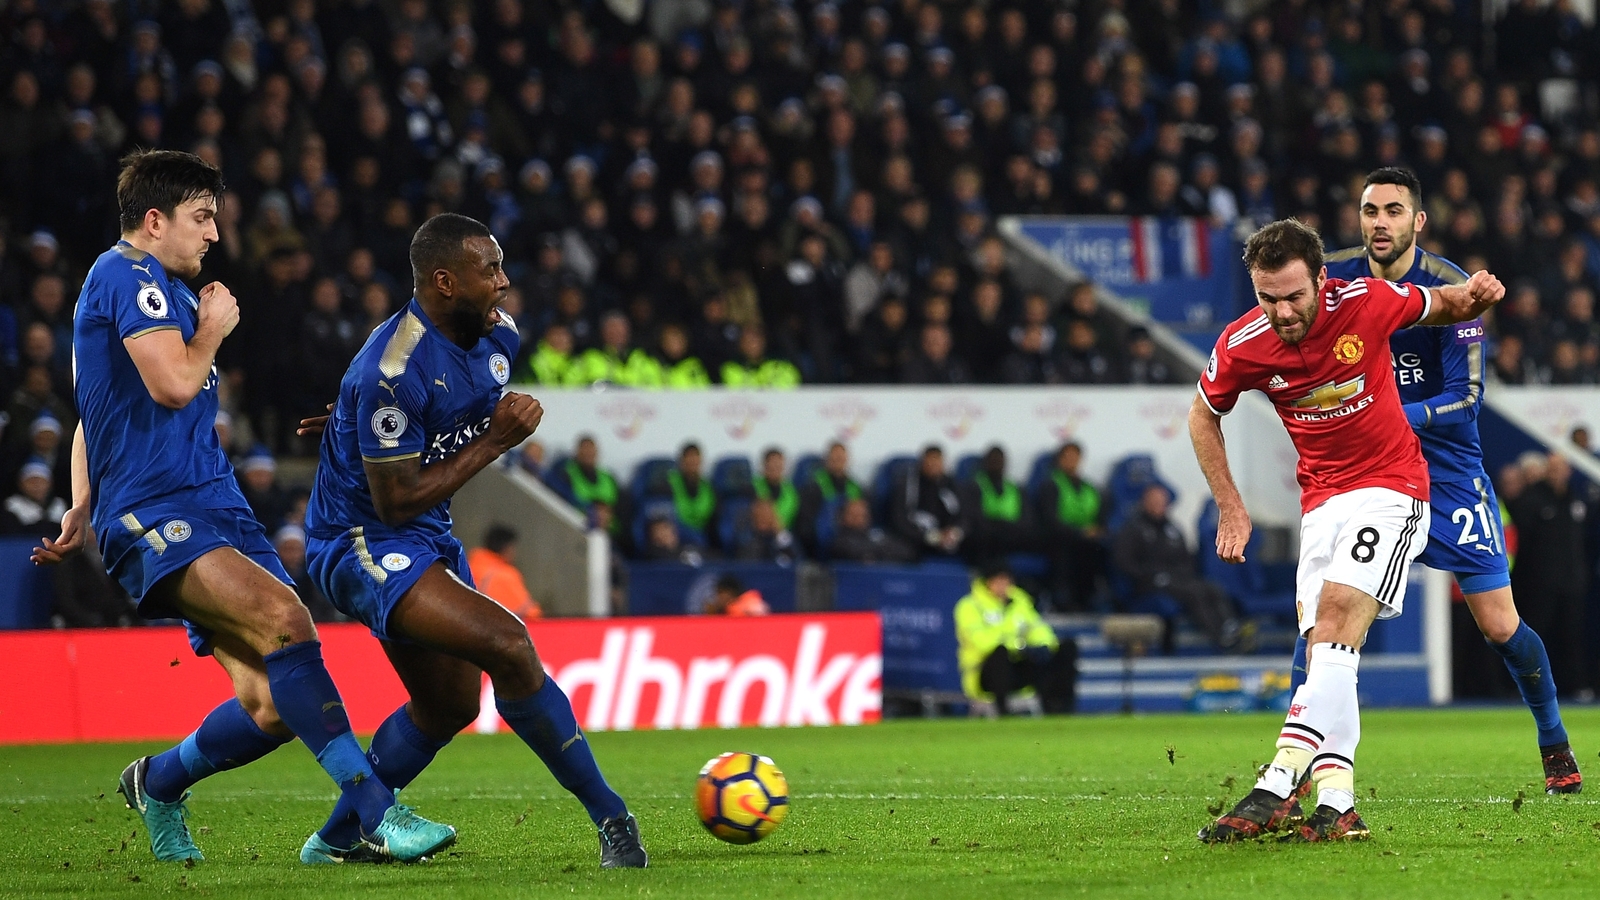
[
  {"x": 174, "y": 371},
  {"x": 1464, "y": 302},
  {"x": 404, "y": 489},
  {"x": 1233, "y": 521},
  {"x": 72, "y": 524}
]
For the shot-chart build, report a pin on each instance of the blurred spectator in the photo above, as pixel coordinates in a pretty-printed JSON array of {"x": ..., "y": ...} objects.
[
  {"x": 679, "y": 369},
  {"x": 884, "y": 344},
  {"x": 1151, "y": 551},
  {"x": 934, "y": 361},
  {"x": 772, "y": 486},
  {"x": 531, "y": 458},
  {"x": 731, "y": 598},
  {"x": 616, "y": 360},
  {"x": 581, "y": 480},
  {"x": 763, "y": 537},
  {"x": 328, "y": 342},
  {"x": 290, "y": 543},
  {"x": 1006, "y": 649},
  {"x": 663, "y": 542},
  {"x": 1141, "y": 365},
  {"x": 753, "y": 369},
  {"x": 1072, "y": 514},
  {"x": 692, "y": 496},
  {"x": 1551, "y": 573},
  {"x": 552, "y": 362},
  {"x": 925, "y": 507},
  {"x": 258, "y": 478},
  {"x": 829, "y": 484},
  {"x": 856, "y": 539},
  {"x": 1001, "y": 522},
  {"x": 33, "y": 510},
  {"x": 495, "y": 573}
]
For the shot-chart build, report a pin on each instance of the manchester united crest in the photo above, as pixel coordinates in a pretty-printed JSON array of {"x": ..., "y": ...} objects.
[{"x": 1348, "y": 349}]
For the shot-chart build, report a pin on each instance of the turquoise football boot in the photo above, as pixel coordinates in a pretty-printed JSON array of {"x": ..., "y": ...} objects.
[
  {"x": 405, "y": 836},
  {"x": 169, "y": 834}
]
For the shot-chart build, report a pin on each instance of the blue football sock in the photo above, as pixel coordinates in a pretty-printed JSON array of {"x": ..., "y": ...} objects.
[
  {"x": 1530, "y": 669},
  {"x": 227, "y": 739},
  {"x": 399, "y": 753},
  {"x": 1297, "y": 672},
  {"x": 545, "y": 722},
  {"x": 310, "y": 705}
]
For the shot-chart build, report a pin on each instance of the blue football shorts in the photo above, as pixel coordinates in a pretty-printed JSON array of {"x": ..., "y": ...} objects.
[
  {"x": 1466, "y": 539},
  {"x": 364, "y": 576},
  {"x": 148, "y": 544}
]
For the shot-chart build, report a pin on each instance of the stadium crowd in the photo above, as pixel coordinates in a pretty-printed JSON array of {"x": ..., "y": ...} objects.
[{"x": 760, "y": 193}]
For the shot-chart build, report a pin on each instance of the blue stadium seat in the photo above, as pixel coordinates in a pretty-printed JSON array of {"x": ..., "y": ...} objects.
[
  {"x": 1129, "y": 477},
  {"x": 888, "y": 474},
  {"x": 1039, "y": 473},
  {"x": 828, "y": 525},
  {"x": 1028, "y": 565},
  {"x": 732, "y": 477},
  {"x": 650, "y": 479},
  {"x": 556, "y": 479},
  {"x": 654, "y": 506},
  {"x": 966, "y": 467},
  {"x": 1246, "y": 582},
  {"x": 804, "y": 468},
  {"x": 733, "y": 517}
]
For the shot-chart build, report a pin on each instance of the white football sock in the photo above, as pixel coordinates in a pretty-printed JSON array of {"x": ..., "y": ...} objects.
[{"x": 1331, "y": 690}]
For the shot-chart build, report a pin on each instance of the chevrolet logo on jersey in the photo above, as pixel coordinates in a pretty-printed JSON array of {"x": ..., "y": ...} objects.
[{"x": 1332, "y": 395}]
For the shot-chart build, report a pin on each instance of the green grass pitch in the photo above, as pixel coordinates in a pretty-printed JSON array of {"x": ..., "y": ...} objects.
[{"x": 925, "y": 809}]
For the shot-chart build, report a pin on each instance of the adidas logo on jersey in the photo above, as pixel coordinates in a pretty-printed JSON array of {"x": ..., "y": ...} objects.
[{"x": 1277, "y": 383}]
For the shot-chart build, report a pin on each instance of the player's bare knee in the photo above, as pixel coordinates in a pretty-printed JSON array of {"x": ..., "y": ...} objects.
[
  {"x": 509, "y": 652},
  {"x": 284, "y": 621},
  {"x": 1498, "y": 631}
]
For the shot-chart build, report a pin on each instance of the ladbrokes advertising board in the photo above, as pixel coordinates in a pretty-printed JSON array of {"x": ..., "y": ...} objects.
[{"x": 680, "y": 672}]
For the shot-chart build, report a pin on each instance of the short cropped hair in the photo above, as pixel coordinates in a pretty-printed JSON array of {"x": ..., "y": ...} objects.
[
  {"x": 162, "y": 180},
  {"x": 498, "y": 538},
  {"x": 1277, "y": 244},
  {"x": 441, "y": 242},
  {"x": 1400, "y": 177}
]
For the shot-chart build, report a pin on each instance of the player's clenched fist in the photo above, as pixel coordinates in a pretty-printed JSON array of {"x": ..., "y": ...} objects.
[
  {"x": 1483, "y": 287},
  {"x": 217, "y": 304},
  {"x": 515, "y": 417}
]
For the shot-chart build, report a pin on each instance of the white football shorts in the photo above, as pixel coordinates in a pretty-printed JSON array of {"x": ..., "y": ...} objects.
[{"x": 1367, "y": 539}]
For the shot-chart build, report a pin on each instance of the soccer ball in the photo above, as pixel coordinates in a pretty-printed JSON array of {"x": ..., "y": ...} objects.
[{"x": 741, "y": 797}]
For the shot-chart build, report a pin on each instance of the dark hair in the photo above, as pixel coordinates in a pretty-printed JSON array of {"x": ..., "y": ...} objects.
[
  {"x": 729, "y": 584},
  {"x": 162, "y": 180},
  {"x": 769, "y": 453},
  {"x": 440, "y": 242},
  {"x": 1399, "y": 177},
  {"x": 498, "y": 538},
  {"x": 691, "y": 445},
  {"x": 1277, "y": 244},
  {"x": 994, "y": 566}
]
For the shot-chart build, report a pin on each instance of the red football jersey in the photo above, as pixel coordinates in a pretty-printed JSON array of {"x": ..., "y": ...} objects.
[{"x": 1334, "y": 391}]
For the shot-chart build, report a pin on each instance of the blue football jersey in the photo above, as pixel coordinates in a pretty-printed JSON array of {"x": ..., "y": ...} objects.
[
  {"x": 409, "y": 392},
  {"x": 1440, "y": 371},
  {"x": 140, "y": 452}
]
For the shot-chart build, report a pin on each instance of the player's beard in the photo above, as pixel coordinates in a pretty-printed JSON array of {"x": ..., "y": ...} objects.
[
  {"x": 467, "y": 321},
  {"x": 1398, "y": 245}
]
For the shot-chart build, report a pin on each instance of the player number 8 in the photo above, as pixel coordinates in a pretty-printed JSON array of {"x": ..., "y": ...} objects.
[{"x": 1366, "y": 545}]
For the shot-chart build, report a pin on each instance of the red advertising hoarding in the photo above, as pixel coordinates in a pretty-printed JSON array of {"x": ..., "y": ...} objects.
[{"x": 678, "y": 672}]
